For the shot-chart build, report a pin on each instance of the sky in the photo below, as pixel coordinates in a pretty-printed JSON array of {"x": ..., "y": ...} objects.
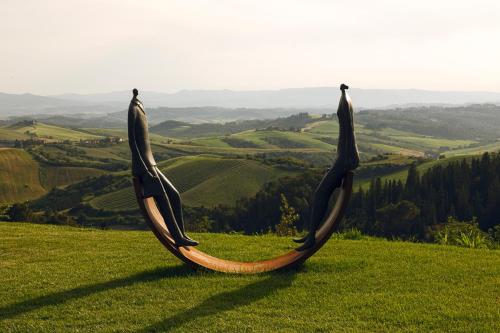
[{"x": 90, "y": 46}]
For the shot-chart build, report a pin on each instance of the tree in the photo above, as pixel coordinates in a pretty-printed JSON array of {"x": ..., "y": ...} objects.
[
  {"x": 20, "y": 212},
  {"x": 396, "y": 219},
  {"x": 289, "y": 216}
]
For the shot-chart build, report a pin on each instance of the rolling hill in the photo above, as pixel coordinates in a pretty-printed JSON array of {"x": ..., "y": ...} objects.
[
  {"x": 313, "y": 97},
  {"x": 50, "y": 132},
  {"x": 203, "y": 181},
  {"x": 421, "y": 167},
  {"x": 51, "y": 176},
  {"x": 22, "y": 178},
  {"x": 19, "y": 176}
]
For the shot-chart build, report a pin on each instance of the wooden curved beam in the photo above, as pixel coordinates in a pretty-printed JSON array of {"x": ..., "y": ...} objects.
[{"x": 196, "y": 258}]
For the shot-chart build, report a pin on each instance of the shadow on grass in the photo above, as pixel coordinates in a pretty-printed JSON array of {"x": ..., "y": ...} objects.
[
  {"x": 79, "y": 292},
  {"x": 226, "y": 301}
]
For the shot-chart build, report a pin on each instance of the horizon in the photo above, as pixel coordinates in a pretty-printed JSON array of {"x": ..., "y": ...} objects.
[{"x": 176, "y": 91}]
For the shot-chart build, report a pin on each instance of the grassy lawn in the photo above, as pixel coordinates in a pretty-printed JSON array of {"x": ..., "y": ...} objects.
[{"x": 60, "y": 279}]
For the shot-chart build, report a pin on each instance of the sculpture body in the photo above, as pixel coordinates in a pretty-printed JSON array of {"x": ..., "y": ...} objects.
[
  {"x": 154, "y": 182},
  {"x": 347, "y": 159}
]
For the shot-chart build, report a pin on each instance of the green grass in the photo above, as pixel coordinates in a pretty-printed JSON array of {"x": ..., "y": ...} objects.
[
  {"x": 60, "y": 279},
  {"x": 60, "y": 176},
  {"x": 383, "y": 148},
  {"x": 53, "y": 132},
  {"x": 19, "y": 176},
  {"x": 85, "y": 156},
  {"x": 203, "y": 181},
  {"x": 155, "y": 138},
  {"x": 283, "y": 139},
  {"x": 120, "y": 200},
  {"x": 8, "y": 134},
  {"x": 492, "y": 147},
  {"x": 422, "y": 168}
]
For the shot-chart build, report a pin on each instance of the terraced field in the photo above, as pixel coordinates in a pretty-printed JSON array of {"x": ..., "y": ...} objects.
[
  {"x": 51, "y": 177},
  {"x": 203, "y": 181},
  {"x": 19, "y": 176}
]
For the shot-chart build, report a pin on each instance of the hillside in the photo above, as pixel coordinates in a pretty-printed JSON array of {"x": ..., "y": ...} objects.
[
  {"x": 22, "y": 178},
  {"x": 55, "y": 279},
  {"x": 421, "y": 167},
  {"x": 19, "y": 176},
  {"x": 51, "y": 132},
  {"x": 51, "y": 177},
  {"x": 313, "y": 97},
  {"x": 321, "y": 132},
  {"x": 203, "y": 181}
]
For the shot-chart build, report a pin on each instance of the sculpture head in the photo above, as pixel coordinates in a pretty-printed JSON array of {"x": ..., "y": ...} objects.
[
  {"x": 344, "y": 87},
  {"x": 135, "y": 92}
]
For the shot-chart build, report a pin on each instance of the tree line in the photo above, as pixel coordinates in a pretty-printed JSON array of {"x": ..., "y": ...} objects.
[{"x": 465, "y": 190}]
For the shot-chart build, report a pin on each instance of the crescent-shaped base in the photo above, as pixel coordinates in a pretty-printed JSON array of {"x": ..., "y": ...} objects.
[{"x": 196, "y": 258}]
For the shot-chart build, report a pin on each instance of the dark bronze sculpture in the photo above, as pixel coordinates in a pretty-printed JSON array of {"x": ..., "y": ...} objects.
[
  {"x": 347, "y": 160},
  {"x": 154, "y": 183},
  {"x": 156, "y": 196}
]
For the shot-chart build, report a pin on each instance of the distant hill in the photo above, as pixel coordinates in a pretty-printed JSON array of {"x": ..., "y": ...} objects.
[
  {"x": 40, "y": 130},
  {"x": 462, "y": 122},
  {"x": 29, "y": 104},
  {"x": 196, "y": 115},
  {"x": 173, "y": 128},
  {"x": 317, "y": 97},
  {"x": 76, "y": 120}
]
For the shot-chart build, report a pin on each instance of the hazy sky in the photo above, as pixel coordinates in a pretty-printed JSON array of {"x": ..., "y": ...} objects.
[{"x": 58, "y": 46}]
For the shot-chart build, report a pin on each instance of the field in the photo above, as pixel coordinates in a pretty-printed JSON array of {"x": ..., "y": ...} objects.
[
  {"x": 422, "y": 168},
  {"x": 19, "y": 176},
  {"x": 60, "y": 279},
  {"x": 9, "y": 134},
  {"x": 51, "y": 177},
  {"x": 228, "y": 173},
  {"x": 51, "y": 132},
  {"x": 474, "y": 150},
  {"x": 22, "y": 178},
  {"x": 203, "y": 181}
]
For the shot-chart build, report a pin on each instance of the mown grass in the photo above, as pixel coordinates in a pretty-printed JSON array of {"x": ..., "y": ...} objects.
[{"x": 60, "y": 279}]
